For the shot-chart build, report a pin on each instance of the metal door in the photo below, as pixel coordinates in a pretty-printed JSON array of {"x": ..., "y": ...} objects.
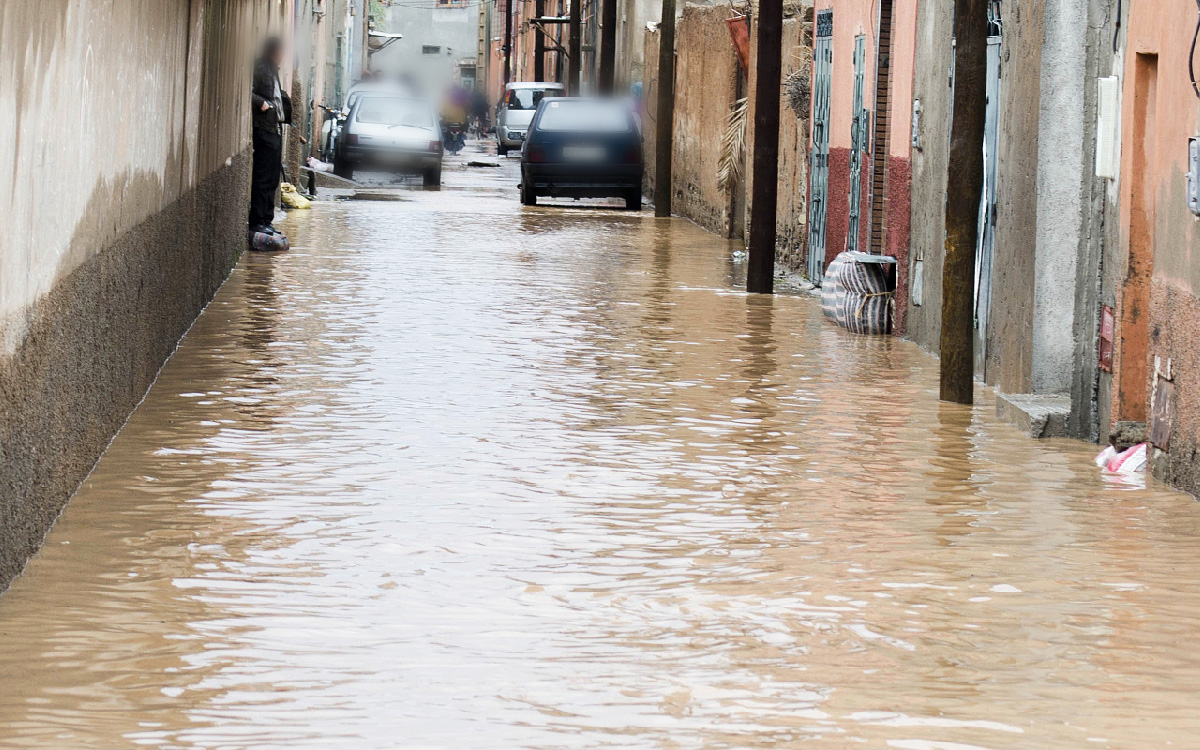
[
  {"x": 818, "y": 171},
  {"x": 987, "y": 204},
  {"x": 860, "y": 122}
]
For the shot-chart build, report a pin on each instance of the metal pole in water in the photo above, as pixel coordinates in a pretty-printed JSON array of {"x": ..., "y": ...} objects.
[
  {"x": 963, "y": 192},
  {"x": 508, "y": 9},
  {"x": 665, "y": 113},
  {"x": 575, "y": 61},
  {"x": 760, "y": 271},
  {"x": 608, "y": 48},
  {"x": 539, "y": 43}
]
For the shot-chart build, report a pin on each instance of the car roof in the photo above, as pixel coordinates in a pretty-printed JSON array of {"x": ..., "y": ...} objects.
[
  {"x": 535, "y": 85},
  {"x": 573, "y": 100},
  {"x": 407, "y": 95}
]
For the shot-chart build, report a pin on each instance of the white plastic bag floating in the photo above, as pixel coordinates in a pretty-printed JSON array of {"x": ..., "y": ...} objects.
[
  {"x": 1128, "y": 462},
  {"x": 1104, "y": 456}
]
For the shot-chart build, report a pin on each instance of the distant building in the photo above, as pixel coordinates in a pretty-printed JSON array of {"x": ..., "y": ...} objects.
[{"x": 439, "y": 45}]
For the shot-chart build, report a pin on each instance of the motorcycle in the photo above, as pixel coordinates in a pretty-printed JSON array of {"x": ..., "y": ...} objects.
[
  {"x": 335, "y": 120},
  {"x": 455, "y": 137}
]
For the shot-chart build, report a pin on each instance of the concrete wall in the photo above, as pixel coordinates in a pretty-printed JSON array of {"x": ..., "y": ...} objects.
[
  {"x": 932, "y": 92},
  {"x": 123, "y": 174},
  {"x": 1010, "y": 328}
]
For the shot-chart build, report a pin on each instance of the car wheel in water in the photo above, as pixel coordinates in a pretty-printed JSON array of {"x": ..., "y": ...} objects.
[
  {"x": 432, "y": 177},
  {"x": 633, "y": 201},
  {"x": 528, "y": 197},
  {"x": 501, "y": 149}
]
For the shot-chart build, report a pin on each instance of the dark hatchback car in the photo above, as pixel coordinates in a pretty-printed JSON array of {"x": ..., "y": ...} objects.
[{"x": 582, "y": 148}]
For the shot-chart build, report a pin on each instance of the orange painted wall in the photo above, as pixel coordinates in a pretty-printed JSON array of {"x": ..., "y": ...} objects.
[{"x": 1158, "y": 315}]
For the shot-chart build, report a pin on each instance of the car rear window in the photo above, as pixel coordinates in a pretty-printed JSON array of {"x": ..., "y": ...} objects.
[
  {"x": 386, "y": 110},
  {"x": 582, "y": 116},
  {"x": 523, "y": 99}
]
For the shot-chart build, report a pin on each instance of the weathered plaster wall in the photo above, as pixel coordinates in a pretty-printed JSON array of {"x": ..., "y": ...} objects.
[
  {"x": 1062, "y": 177},
  {"x": 932, "y": 91},
  {"x": 707, "y": 85},
  {"x": 631, "y": 41},
  {"x": 1174, "y": 303},
  {"x": 1010, "y": 327},
  {"x": 650, "y": 110},
  {"x": 123, "y": 170},
  {"x": 1096, "y": 235},
  {"x": 792, "y": 211},
  {"x": 707, "y": 80},
  {"x": 898, "y": 217},
  {"x": 896, "y": 235}
]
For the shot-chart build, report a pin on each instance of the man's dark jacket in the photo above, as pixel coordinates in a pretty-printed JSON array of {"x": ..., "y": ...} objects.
[{"x": 263, "y": 90}]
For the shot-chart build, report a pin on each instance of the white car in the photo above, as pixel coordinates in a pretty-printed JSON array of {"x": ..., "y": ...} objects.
[
  {"x": 516, "y": 111},
  {"x": 391, "y": 133}
]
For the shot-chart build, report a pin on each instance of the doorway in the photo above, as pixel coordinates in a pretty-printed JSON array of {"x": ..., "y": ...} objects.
[
  {"x": 818, "y": 170},
  {"x": 1133, "y": 375},
  {"x": 880, "y": 141},
  {"x": 859, "y": 135},
  {"x": 986, "y": 237}
]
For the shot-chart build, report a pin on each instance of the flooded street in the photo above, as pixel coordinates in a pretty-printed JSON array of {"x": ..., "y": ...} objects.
[{"x": 455, "y": 473}]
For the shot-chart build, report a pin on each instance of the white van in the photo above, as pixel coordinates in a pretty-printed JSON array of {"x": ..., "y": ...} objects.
[{"x": 516, "y": 111}]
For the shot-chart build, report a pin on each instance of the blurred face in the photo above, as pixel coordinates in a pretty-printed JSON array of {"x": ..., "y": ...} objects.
[{"x": 275, "y": 56}]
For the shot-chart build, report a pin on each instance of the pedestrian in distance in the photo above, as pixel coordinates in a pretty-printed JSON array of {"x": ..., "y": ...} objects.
[{"x": 272, "y": 109}]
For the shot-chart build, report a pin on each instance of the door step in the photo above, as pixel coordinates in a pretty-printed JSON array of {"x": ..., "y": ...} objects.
[{"x": 1037, "y": 415}]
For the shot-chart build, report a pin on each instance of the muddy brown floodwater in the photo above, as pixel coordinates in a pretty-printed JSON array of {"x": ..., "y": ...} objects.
[{"x": 457, "y": 474}]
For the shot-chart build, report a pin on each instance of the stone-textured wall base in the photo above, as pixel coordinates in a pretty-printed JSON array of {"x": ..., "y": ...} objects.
[
  {"x": 95, "y": 344},
  {"x": 1175, "y": 337}
]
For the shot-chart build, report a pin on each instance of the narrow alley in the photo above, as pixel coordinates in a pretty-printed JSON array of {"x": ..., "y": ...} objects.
[{"x": 459, "y": 473}]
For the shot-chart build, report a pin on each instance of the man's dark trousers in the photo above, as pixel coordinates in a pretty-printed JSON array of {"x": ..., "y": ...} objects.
[{"x": 268, "y": 165}]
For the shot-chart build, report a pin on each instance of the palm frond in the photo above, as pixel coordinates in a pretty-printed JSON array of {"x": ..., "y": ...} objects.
[{"x": 733, "y": 146}]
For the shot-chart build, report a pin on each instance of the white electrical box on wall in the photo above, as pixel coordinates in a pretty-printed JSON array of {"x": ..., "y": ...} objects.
[
  {"x": 1193, "y": 176},
  {"x": 1108, "y": 123}
]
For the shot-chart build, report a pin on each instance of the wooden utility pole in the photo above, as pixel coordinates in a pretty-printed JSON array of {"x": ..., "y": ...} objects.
[
  {"x": 964, "y": 188},
  {"x": 539, "y": 43},
  {"x": 575, "y": 49},
  {"x": 665, "y": 112},
  {"x": 508, "y": 39},
  {"x": 760, "y": 271},
  {"x": 608, "y": 48}
]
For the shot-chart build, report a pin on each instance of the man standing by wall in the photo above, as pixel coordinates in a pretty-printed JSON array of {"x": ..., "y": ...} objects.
[{"x": 272, "y": 110}]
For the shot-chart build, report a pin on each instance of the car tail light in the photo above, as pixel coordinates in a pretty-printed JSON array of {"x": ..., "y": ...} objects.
[
  {"x": 352, "y": 139},
  {"x": 435, "y": 146},
  {"x": 536, "y": 153},
  {"x": 633, "y": 155}
]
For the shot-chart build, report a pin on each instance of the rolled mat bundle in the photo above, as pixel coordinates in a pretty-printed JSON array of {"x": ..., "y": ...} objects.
[
  {"x": 269, "y": 242},
  {"x": 858, "y": 295},
  {"x": 831, "y": 288},
  {"x": 868, "y": 313}
]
